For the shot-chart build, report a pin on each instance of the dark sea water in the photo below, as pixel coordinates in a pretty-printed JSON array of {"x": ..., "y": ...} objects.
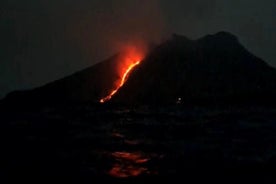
[{"x": 87, "y": 144}]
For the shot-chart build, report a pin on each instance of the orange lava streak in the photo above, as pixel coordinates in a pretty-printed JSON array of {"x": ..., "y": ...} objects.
[{"x": 123, "y": 80}]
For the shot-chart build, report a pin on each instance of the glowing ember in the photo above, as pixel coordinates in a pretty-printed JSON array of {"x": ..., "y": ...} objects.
[{"x": 122, "y": 82}]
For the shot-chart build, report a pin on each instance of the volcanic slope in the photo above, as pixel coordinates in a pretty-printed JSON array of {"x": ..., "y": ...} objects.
[
  {"x": 88, "y": 85},
  {"x": 215, "y": 69}
]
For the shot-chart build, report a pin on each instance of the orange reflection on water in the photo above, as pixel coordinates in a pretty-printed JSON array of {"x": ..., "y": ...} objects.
[
  {"x": 135, "y": 157},
  {"x": 117, "y": 135},
  {"x": 129, "y": 164},
  {"x": 128, "y": 171}
]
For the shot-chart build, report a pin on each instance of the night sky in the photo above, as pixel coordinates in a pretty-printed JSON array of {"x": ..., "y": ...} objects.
[{"x": 44, "y": 40}]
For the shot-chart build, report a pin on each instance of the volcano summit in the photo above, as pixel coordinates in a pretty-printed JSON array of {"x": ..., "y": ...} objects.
[{"x": 215, "y": 69}]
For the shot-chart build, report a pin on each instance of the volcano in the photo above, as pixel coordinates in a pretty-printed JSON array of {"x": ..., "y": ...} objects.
[
  {"x": 215, "y": 69},
  {"x": 133, "y": 118}
]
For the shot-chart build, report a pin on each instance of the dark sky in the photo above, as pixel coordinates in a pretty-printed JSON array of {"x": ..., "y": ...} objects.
[{"x": 43, "y": 40}]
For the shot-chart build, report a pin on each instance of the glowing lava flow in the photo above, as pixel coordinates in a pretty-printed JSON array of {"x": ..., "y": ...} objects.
[{"x": 123, "y": 80}]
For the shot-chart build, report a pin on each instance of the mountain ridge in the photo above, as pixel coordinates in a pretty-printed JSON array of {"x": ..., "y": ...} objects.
[
  {"x": 211, "y": 56},
  {"x": 214, "y": 69}
]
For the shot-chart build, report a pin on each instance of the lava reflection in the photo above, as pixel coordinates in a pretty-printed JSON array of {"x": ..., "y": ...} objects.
[{"x": 129, "y": 164}]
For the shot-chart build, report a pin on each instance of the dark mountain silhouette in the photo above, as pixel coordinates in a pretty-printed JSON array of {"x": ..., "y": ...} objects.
[
  {"x": 88, "y": 85},
  {"x": 215, "y": 69}
]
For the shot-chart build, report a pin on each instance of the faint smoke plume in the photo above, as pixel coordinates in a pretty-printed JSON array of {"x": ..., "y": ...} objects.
[{"x": 117, "y": 25}]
